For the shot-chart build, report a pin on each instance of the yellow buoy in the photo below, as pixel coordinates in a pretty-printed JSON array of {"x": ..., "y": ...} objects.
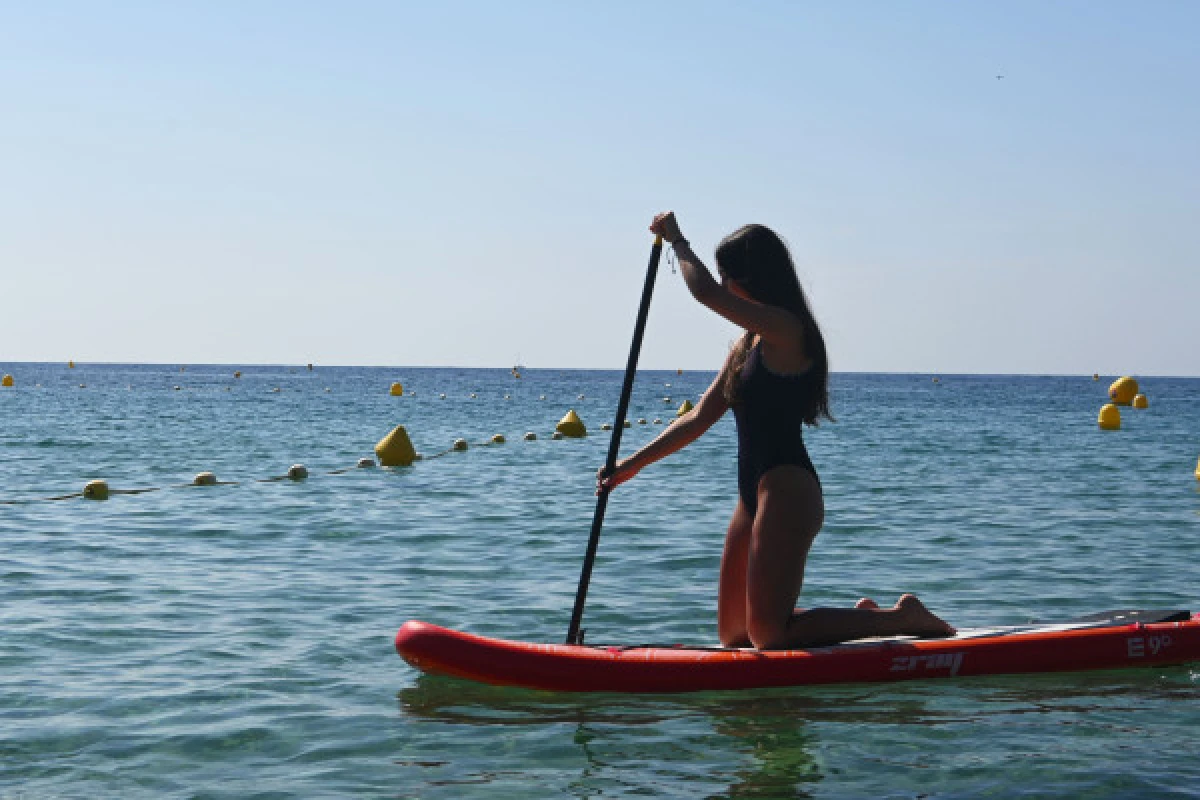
[
  {"x": 628, "y": 424},
  {"x": 684, "y": 408},
  {"x": 1123, "y": 390},
  {"x": 1198, "y": 469},
  {"x": 530, "y": 436},
  {"x": 310, "y": 367},
  {"x": 498, "y": 438},
  {"x": 442, "y": 396},
  {"x": 297, "y": 472},
  {"x": 571, "y": 425},
  {"x": 237, "y": 374},
  {"x": 96, "y": 490},
  {"x": 1140, "y": 401},
  {"x": 1095, "y": 376},
  {"x": 7, "y": 380},
  {"x": 460, "y": 444},
  {"x": 70, "y": 365},
  {"x": 678, "y": 372},
  {"x": 395, "y": 449},
  {"x": 556, "y": 435},
  {"x": 606, "y": 426},
  {"x": 397, "y": 390},
  {"x": 366, "y": 462},
  {"x": 1110, "y": 418},
  {"x": 641, "y": 420},
  {"x": 204, "y": 479},
  {"x": 657, "y": 421}
]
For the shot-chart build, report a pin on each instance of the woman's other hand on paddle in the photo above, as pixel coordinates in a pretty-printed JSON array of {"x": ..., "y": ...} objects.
[
  {"x": 621, "y": 473},
  {"x": 666, "y": 226}
]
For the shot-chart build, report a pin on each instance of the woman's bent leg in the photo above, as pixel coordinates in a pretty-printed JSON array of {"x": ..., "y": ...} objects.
[{"x": 731, "y": 585}]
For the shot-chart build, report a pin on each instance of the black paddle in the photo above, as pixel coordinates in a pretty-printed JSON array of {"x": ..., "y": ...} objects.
[{"x": 574, "y": 634}]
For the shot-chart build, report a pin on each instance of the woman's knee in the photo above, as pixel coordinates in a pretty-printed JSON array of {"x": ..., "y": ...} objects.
[{"x": 766, "y": 634}]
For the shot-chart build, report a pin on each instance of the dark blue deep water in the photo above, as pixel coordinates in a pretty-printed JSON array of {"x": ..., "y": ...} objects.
[{"x": 236, "y": 641}]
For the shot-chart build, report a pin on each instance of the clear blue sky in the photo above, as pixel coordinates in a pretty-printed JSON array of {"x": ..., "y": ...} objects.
[{"x": 470, "y": 183}]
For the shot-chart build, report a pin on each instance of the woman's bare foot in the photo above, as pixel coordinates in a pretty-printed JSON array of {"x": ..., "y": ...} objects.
[
  {"x": 919, "y": 620},
  {"x": 867, "y": 604}
]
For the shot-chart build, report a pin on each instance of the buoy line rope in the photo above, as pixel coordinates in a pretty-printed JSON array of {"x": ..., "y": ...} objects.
[{"x": 297, "y": 472}]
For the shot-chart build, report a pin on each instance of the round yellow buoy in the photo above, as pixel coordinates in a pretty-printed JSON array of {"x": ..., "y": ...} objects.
[
  {"x": 412, "y": 392},
  {"x": 606, "y": 426},
  {"x": 204, "y": 479},
  {"x": 530, "y": 436},
  {"x": 628, "y": 424},
  {"x": 1122, "y": 390},
  {"x": 657, "y": 421},
  {"x": 1198, "y": 469},
  {"x": 1110, "y": 417},
  {"x": 678, "y": 372},
  {"x": 96, "y": 490},
  {"x": 83, "y": 386},
  {"x": 237, "y": 374},
  {"x": 498, "y": 438},
  {"x": 365, "y": 462},
  {"x": 1095, "y": 376},
  {"x": 937, "y": 380},
  {"x": 177, "y": 388},
  {"x": 641, "y": 420},
  {"x": 667, "y": 400},
  {"x": 1140, "y": 401},
  {"x": 460, "y": 444},
  {"x": 7, "y": 380},
  {"x": 556, "y": 435},
  {"x": 472, "y": 395},
  {"x": 70, "y": 365},
  {"x": 442, "y": 396},
  {"x": 571, "y": 425},
  {"x": 684, "y": 408},
  {"x": 397, "y": 390},
  {"x": 507, "y": 397},
  {"x": 297, "y": 472},
  {"x": 395, "y": 449},
  {"x": 310, "y": 367},
  {"x": 581, "y": 397},
  {"x": 543, "y": 397}
]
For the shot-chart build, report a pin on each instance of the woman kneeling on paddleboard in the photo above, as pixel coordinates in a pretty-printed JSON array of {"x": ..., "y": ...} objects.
[{"x": 775, "y": 379}]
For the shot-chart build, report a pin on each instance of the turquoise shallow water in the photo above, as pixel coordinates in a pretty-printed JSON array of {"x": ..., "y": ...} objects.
[{"x": 236, "y": 641}]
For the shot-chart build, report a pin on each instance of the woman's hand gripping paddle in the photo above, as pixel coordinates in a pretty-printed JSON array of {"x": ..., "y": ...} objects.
[{"x": 574, "y": 633}]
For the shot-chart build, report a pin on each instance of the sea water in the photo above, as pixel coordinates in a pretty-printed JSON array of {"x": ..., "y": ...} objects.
[{"x": 236, "y": 640}]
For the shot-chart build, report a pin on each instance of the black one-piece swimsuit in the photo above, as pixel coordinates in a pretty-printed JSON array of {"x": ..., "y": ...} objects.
[{"x": 769, "y": 423}]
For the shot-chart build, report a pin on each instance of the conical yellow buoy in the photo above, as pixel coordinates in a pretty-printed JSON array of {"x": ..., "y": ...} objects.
[
  {"x": 571, "y": 425},
  {"x": 7, "y": 380},
  {"x": 1110, "y": 418},
  {"x": 1122, "y": 390},
  {"x": 1140, "y": 401},
  {"x": 684, "y": 408},
  {"x": 395, "y": 449},
  {"x": 397, "y": 390},
  {"x": 204, "y": 479},
  {"x": 96, "y": 490}
]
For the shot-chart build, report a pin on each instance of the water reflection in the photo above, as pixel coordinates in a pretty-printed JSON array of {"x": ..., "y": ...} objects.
[{"x": 734, "y": 744}]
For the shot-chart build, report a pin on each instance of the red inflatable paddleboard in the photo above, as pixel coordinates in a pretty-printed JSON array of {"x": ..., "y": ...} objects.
[{"x": 1110, "y": 640}]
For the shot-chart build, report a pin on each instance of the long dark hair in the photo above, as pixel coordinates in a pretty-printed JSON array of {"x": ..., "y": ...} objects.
[{"x": 759, "y": 261}]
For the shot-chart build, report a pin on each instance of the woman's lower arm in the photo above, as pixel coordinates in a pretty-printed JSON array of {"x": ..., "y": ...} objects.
[{"x": 682, "y": 433}]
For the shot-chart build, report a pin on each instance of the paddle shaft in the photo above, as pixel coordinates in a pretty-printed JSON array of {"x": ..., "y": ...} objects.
[{"x": 574, "y": 635}]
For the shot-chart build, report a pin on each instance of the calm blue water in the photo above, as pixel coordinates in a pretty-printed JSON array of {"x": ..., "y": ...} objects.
[{"x": 236, "y": 641}]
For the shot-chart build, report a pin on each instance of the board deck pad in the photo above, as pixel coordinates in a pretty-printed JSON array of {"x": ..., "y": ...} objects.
[{"x": 1104, "y": 640}]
